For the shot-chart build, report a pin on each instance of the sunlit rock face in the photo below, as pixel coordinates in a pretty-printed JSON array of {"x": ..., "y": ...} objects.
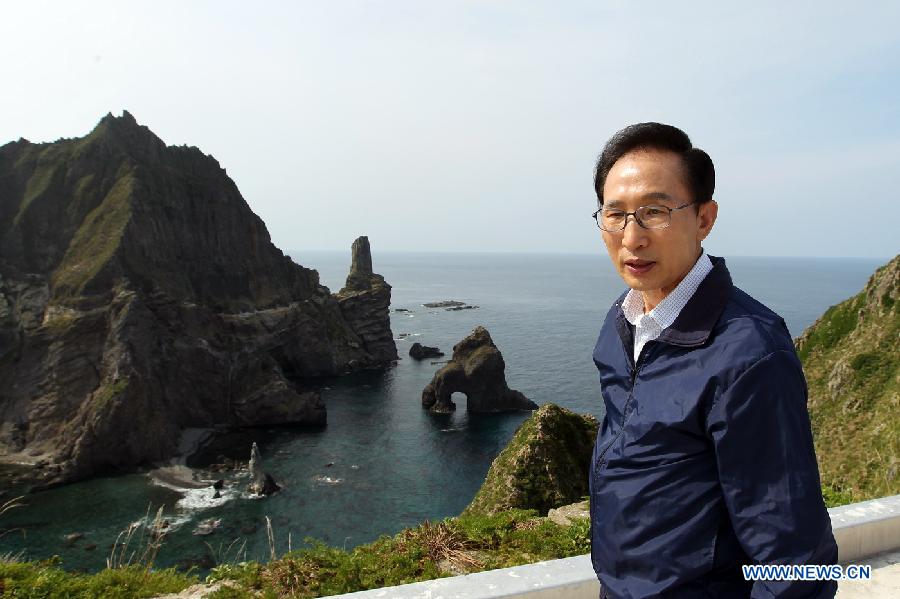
[
  {"x": 851, "y": 358},
  {"x": 544, "y": 466}
]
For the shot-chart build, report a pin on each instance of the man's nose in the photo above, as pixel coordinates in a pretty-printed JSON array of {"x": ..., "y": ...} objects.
[{"x": 633, "y": 236}]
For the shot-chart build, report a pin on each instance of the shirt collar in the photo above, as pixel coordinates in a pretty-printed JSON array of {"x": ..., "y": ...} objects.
[
  {"x": 666, "y": 311},
  {"x": 696, "y": 320}
]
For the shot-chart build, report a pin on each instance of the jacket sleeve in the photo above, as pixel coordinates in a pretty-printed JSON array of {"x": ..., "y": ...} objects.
[{"x": 768, "y": 472}]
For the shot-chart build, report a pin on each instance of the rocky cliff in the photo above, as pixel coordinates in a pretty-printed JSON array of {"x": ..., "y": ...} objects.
[
  {"x": 851, "y": 357},
  {"x": 139, "y": 295},
  {"x": 544, "y": 466}
]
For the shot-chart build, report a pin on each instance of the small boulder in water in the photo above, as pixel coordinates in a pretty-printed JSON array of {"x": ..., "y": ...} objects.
[
  {"x": 420, "y": 352},
  {"x": 207, "y": 527}
]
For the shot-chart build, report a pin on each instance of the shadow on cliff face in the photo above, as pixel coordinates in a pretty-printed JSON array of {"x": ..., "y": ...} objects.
[
  {"x": 140, "y": 296},
  {"x": 229, "y": 447},
  {"x": 225, "y": 447}
]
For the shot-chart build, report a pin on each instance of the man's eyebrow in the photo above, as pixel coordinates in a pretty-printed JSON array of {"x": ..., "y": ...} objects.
[
  {"x": 656, "y": 195},
  {"x": 650, "y": 195}
]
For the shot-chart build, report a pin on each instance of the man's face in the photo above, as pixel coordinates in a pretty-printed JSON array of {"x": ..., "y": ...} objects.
[{"x": 654, "y": 261}]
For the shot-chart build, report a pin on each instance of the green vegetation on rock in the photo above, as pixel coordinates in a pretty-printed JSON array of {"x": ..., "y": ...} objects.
[
  {"x": 469, "y": 543},
  {"x": 833, "y": 326},
  {"x": 47, "y": 580},
  {"x": 40, "y": 181},
  {"x": 107, "y": 392},
  {"x": 96, "y": 241},
  {"x": 852, "y": 365},
  {"x": 544, "y": 466}
]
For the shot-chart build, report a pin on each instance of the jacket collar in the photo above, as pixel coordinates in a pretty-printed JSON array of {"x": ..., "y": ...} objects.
[{"x": 699, "y": 316}]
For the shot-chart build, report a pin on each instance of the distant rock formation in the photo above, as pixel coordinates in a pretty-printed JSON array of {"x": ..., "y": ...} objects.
[
  {"x": 450, "y": 305},
  {"x": 421, "y": 352},
  {"x": 365, "y": 304},
  {"x": 444, "y": 304},
  {"x": 140, "y": 295},
  {"x": 544, "y": 466},
  {"x": 851, "y": 358},
  {"x": 476, "y": 369},
  {"x": 261, "y": 482}
]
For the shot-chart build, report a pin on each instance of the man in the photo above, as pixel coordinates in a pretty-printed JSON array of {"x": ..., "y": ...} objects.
[{"x": 705, "y": 458}]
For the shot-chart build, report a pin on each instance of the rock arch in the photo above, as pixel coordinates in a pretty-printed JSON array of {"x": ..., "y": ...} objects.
[{"x": 477, "y": 369}]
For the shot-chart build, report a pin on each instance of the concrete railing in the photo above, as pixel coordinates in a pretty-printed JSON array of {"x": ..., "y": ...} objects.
[
  {"x": 867, "y": 528},
  {"x": 861, "y": 530}
]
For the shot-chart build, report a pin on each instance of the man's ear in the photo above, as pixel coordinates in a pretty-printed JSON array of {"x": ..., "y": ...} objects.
[{"x": 706, "y": 213}]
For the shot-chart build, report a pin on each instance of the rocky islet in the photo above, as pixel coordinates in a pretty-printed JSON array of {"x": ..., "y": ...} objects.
[
  {"x": 417, "y": 351},
  {"x": 476, "y": 369}
]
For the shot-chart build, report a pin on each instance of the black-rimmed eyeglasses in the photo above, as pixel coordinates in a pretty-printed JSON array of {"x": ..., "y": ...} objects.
[{"x": 654, "y": 216}]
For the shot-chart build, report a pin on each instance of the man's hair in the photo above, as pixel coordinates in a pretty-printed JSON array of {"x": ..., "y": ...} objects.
[{"x": 699, "y": 172}]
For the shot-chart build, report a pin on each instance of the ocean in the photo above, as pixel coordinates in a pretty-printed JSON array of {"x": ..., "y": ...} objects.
[{"x": 383, "y": 463}]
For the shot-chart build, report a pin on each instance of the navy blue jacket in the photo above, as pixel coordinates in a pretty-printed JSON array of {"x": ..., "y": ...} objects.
[{"x": 705, "y": 457}]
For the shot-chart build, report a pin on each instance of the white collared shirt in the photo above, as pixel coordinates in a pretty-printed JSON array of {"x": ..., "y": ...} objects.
[{"x": 649, "y": 326}]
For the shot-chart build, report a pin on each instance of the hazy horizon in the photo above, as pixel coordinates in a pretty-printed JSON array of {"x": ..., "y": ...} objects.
[
  {"x": 474, "y": 126},
  {"x": 601, "y": 252}
]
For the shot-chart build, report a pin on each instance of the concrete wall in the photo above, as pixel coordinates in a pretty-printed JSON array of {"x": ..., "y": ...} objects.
[{"x": 862, "y": 530}]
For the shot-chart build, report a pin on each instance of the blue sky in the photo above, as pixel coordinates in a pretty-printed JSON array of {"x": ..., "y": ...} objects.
[{"x": 474, "y": 126}]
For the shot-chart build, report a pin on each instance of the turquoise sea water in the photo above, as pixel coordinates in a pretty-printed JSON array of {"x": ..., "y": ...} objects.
[{"x": 394, "y": 465}]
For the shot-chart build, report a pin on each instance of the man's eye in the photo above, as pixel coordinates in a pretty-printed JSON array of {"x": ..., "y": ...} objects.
[
  {"x": 654, "y": 212},
  {"x": 613, "y": 214}
]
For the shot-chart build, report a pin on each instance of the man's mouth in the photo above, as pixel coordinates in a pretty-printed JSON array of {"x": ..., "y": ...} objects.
[{"x": 638, "y": 267}]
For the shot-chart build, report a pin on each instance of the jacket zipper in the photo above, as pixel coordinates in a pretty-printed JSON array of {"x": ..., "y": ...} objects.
[{"x": 625, "y": 414}]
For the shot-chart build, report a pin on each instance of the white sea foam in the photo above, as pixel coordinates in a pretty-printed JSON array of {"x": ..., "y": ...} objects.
[
  {"x": 176, "y": 521},
  {"x": 327, "y": 480},
  {"x": 201, "y": 499}
]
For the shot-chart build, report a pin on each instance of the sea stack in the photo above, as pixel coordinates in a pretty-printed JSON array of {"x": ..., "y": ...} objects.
[
  {"x": 365, "y": 304},
  {"x": 261, "y": 482},
  {"x": 478, "y": 370}
]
